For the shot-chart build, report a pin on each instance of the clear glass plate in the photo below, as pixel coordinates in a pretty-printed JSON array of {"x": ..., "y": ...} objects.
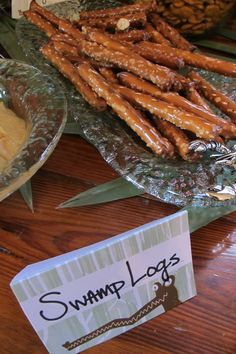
[
  {"x": 39, "y": 100},
  {"x": 175, "y": 182}
]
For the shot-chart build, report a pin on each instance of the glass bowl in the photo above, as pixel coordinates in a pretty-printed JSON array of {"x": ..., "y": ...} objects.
[{"x": 39, "y": 100}]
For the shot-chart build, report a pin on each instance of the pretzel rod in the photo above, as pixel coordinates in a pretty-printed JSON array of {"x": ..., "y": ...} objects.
[
  {"x": 156, "y": 36},
  {"x": 170, "y": 33},
  {"x": 160, "y": 58},
  {"x": 160, "y": 76},
  {"x": 166, "y": 111},
  {"x": 137, "y": 84},
  {"x": 65, "y": 48},
  {"x": 195, "y": 59},
  {"x": 125, "y": 111},
  {"x": 119, "y": 23},
  {"x": 224, "y": 103},
  {"x": 193, "y": 95},
  {"x": 118, "y": 11},
  {"x": 176, "y": 136},
  {"x": 35, "y": 7},
  {"x": 70, "y": 72},
  {"x": 131, "y": 36},
  {"x": 109, "y": 75},
  {"x": 40, "y": 22},
  {"x": 68, "y": 28}
]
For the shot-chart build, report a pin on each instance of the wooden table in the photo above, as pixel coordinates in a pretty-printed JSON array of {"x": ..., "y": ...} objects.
[{"x": 205, "y": 324}]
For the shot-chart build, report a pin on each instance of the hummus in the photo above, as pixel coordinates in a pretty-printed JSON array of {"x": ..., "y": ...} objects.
[{"x": 12, "y": 135}]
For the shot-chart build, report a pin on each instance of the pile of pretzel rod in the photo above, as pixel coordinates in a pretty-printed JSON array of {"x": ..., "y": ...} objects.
[{"x": 127, "y": 58}]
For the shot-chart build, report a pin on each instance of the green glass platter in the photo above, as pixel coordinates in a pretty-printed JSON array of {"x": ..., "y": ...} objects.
[{"x": 177, "y": 182}]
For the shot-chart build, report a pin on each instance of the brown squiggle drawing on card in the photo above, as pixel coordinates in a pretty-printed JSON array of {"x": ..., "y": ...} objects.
[{"x": 165, "y": 295}]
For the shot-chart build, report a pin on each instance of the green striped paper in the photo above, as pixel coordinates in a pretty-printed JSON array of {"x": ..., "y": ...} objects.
[{"x": 149, "y": 251}]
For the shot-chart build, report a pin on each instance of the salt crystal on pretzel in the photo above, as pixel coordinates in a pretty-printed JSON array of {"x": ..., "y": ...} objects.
[
  {"x": 137, "y": 84},
  {"x": 129, "y": 61},
  {"x": 171, "y": 113},
  {"x": 224, "y": 103},
  {"x": 119, "y": 11},
  {"x": 125, "y": 111},
  {"x": 171, "y": 33},
  {"x": 123, "y": 24},
  {"x": 70, "y": 72},
  {"x": 40, "y": 22}
]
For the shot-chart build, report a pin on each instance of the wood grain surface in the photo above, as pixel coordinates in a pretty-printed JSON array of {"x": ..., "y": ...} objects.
[{"x": 205, "y": 324}]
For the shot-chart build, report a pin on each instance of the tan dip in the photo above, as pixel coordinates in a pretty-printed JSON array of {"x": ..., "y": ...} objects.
[{"x": 12, "y": 135}]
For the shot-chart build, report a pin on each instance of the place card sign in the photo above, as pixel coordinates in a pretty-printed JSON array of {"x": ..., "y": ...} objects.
[
  {"x": 19, "y": 6},
  {"x": 87, "y": 296}
]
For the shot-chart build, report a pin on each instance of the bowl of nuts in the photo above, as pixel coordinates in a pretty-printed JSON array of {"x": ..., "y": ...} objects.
[{"x": 195, "y": 17}]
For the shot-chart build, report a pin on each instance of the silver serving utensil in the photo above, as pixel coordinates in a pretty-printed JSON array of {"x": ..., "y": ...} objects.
[
  {"x": 204, "y": 146},
  {"x": 224, "y": 155}
]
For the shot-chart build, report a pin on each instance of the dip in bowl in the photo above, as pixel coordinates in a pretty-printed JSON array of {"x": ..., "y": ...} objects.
[{"x": 33, "y": 113}]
